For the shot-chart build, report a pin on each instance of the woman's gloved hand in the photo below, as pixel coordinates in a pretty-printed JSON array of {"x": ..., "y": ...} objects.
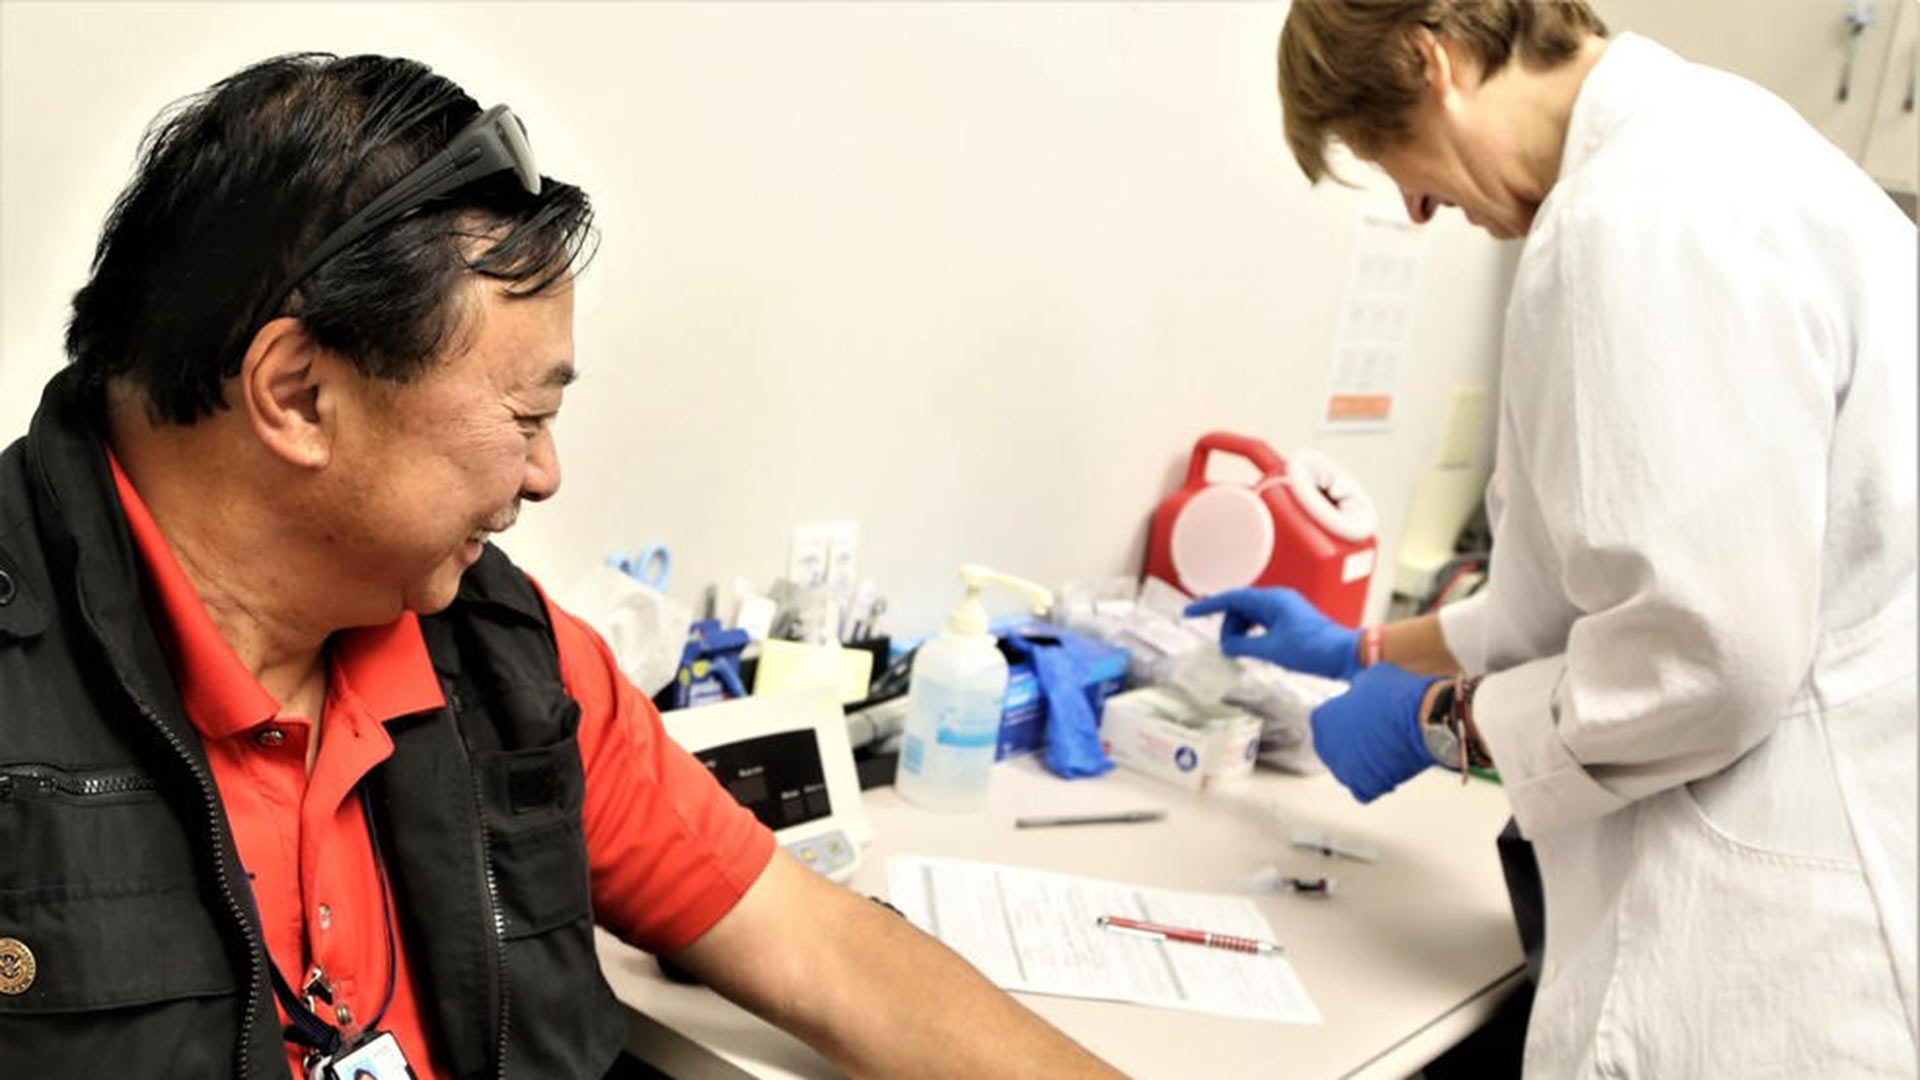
[
  {"x": 1370, "y": 736},
  {"x": 1295, "y": 634}
]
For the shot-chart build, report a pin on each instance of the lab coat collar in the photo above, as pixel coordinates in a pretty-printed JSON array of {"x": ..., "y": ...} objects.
[{"x": 1633, "y": 72}]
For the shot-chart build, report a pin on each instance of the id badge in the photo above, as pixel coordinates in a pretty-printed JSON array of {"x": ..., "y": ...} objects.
[{"x": 374, "y": 1056}]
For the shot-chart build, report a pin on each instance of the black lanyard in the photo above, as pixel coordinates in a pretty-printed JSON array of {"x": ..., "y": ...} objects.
[{"x": 307, "y": 1028}]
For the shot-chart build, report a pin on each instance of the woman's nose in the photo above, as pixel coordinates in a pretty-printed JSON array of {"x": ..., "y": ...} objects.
[{"x": 1419, "y": 207}]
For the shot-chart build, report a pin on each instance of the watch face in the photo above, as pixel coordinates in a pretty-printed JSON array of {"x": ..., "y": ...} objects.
[{"x": 1442, "y": 744}]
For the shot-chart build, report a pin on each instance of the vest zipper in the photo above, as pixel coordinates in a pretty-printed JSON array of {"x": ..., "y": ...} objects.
[
  {"x": 499, "y": 944},
  {"x": 48, "y": 778},
  {"x": 216, "y": 816},
  {"x": 495, "y": 919}
]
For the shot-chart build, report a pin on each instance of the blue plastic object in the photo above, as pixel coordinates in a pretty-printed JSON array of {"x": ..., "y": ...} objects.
[
  {"x": 709, "y": 666},
  {"x": 651, "y": 565}
]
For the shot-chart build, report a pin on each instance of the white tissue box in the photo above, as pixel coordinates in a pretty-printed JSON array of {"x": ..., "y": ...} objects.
[{"x": 1166, "y": 734}]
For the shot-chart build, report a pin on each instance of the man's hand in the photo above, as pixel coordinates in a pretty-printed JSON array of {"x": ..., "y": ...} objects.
[
  {"x": 1370, "y": 736},
  {"x": 1295, "y": 634}
]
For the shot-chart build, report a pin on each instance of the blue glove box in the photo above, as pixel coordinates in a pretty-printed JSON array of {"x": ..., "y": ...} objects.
[{"x": 1023, "y": 714}]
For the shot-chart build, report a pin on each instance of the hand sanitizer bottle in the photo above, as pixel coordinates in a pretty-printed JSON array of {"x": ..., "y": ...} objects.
[{"x": 954, "y": 702}]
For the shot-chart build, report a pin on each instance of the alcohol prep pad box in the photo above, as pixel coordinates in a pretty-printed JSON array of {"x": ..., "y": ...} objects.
[{"x": 1166, "y": 734}]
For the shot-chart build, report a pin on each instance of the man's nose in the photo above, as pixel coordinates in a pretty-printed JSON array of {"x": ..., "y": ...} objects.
[{"x": 543, "y": 468}]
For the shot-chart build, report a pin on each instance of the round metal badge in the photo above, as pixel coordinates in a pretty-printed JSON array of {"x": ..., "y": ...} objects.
[{"x": 17, "y": 966}]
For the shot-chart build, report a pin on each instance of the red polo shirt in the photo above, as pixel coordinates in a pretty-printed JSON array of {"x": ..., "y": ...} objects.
[{"x": 670, "y": 851}]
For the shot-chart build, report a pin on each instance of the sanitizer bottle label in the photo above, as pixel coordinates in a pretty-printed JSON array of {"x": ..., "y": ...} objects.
[{"x": 950, "y": 741}]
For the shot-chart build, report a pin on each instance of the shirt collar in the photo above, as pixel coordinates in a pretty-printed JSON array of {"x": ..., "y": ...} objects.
[{"x": 387, "y": 667}]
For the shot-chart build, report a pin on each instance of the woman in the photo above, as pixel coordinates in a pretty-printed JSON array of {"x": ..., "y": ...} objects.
[{"x": 1697, "y": 637}]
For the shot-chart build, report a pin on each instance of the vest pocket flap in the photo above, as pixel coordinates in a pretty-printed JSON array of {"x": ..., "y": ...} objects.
[
  {"x": 532, "y": 799},
  {"x": 527, "y": 790},
  {"x": 69, "y": 950}
]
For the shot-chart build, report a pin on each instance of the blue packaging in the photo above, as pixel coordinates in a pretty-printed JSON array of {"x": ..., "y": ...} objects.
[{"x": 1023, "y": 714}]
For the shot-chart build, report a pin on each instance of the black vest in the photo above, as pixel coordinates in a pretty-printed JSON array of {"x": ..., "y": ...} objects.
[{"x": 117, "y": 868}]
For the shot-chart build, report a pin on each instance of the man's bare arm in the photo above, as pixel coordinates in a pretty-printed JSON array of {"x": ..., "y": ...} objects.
[{"x": 871, "y": 991}]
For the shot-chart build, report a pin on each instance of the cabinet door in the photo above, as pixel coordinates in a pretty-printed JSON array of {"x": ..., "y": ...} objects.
[
  {"x": 1796, "y": 48},
  {"x": 1893, "y": 139}
]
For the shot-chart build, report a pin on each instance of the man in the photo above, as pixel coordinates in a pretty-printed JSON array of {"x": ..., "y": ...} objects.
[
  {"x": 1697, "y": 634},
  {"x": 295, "y": 769}
]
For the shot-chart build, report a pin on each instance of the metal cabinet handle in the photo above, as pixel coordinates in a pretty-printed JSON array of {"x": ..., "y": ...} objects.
[
  {"x": 1860, "y": 15},
  {"x": 1913, "y": 64}
]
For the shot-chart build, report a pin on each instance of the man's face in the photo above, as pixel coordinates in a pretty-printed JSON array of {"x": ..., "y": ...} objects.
[{"x": 445, "y": 460}]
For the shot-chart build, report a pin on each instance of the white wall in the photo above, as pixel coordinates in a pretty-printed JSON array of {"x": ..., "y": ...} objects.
[{"x": 973, "y": 275}]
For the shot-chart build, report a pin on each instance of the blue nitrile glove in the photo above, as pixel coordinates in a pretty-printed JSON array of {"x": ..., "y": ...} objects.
[
  {"x": 1296, "y": 635},
  {"x": 1370, "y": 736},
  {"x": 1072, "y": 747}
]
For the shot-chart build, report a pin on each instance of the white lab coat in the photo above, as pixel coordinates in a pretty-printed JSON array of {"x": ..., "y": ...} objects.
[{"x": 1699, "y": 620}]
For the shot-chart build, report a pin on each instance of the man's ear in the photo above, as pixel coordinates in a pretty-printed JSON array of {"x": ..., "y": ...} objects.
[{"x": 282, "y": 392}]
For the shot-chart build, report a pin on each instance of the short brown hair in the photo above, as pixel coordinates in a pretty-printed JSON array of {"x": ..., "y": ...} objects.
[{"x": 1349, "y": 69}]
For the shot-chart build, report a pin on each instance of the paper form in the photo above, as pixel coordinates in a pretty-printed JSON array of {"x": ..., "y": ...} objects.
[
  {"x": 1034, "y": 931},
  {"x": 1375, "y": 329}
]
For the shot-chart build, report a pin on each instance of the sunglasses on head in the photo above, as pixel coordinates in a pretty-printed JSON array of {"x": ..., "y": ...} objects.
[{"x": 494, "y": 141}]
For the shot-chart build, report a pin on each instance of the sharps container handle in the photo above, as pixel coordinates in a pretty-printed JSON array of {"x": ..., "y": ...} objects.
[{"x": 1262, "y": 455}]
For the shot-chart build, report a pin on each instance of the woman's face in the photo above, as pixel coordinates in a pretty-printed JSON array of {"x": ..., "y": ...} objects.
[
  {"x": 1466, "y": 146},
  {"x": 1446, "y": 162}
]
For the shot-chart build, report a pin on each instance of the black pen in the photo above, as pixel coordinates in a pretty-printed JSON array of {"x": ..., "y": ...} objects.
[{"x": 1121, "y": 818}]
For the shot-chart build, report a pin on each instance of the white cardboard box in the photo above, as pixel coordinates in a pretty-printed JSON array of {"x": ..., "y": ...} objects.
[{"x": 1166, "y": 734}]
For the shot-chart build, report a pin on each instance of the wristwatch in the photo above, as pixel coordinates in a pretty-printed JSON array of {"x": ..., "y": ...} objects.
[{"x": 1443, "y": 742}]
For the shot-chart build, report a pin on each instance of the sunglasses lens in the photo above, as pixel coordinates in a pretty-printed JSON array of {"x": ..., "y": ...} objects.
[{"x": 514, "y": 134}]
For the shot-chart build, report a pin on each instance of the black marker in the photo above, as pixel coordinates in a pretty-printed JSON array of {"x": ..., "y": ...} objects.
[{"x": 1122, "y": 818}]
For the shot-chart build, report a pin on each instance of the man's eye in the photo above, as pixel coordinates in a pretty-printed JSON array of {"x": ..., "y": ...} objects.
[{"x": 533, "y": 424}]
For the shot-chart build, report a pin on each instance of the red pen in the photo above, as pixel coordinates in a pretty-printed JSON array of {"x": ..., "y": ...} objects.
[{"x": 1208, "y": 938}]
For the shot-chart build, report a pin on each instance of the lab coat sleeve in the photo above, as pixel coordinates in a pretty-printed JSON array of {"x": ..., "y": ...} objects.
[
  {"x": 1672, "y": 384},
  {"x": 1513, "y": 618}
]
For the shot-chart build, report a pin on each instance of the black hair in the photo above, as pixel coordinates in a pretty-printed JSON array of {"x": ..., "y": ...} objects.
[{"x": 235, "y": 185}]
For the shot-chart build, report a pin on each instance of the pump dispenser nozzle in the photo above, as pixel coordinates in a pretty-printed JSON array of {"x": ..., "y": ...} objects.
[{"x": 971, "y": 616}]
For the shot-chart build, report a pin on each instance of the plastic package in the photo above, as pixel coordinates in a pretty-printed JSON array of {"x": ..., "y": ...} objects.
[
  {"x": 1166, "y": 649},
  {"x": 645, "y": 628},
  {"x": 1203, "y": 673},
  {"x": 1284, "y": 700}
]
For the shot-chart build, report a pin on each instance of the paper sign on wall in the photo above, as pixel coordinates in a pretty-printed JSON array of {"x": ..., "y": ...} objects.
[{"x": 1375, "y": 324}]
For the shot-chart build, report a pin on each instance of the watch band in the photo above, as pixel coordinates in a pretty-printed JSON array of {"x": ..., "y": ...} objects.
[
  {"x": 1437, "y": 730},
  {"x": 1473, "y": 753}
]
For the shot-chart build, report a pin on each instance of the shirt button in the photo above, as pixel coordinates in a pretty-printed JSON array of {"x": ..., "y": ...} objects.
[
  {"x": 344, "y": 1015},
  {"x": 272, "y": 736},
  {"x": 326, "y": 917}
]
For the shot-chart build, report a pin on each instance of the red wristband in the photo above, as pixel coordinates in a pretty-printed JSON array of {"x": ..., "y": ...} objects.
[{"x": 1372, "y": 645}]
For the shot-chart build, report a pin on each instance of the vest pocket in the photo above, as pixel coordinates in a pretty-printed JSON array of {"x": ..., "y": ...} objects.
[
  {"x": 536, "y": 841},
  {"x": 124, "y": 981},
  {"x": 103, "y": 948},
  {"x": 97, "y": 885}
]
